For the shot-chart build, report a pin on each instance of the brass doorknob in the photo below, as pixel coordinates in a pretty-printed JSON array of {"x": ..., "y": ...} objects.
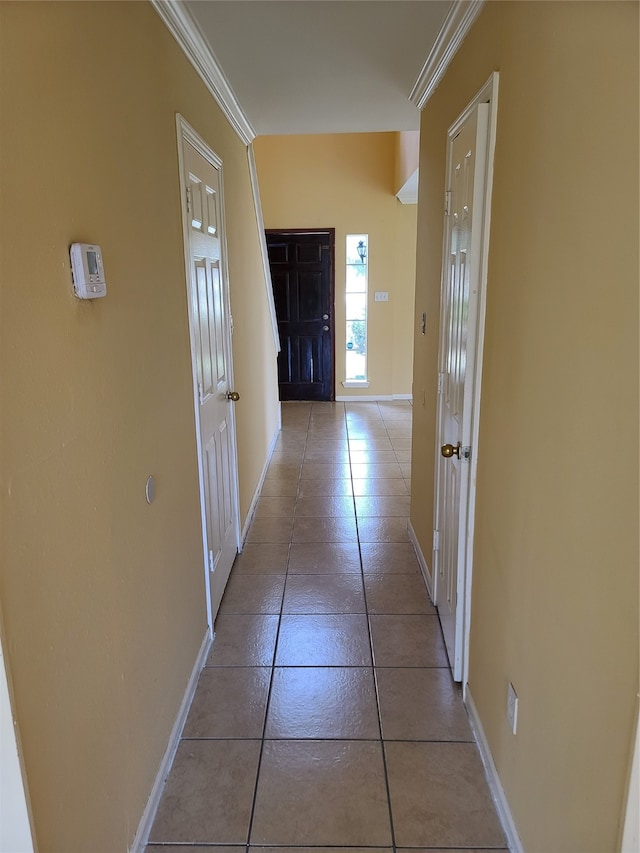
[
  {"x": 233, "y": 396},
  {"x": 449, "y": 450}
]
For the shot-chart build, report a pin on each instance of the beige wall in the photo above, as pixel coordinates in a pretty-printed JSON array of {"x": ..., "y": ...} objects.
[
  {"x": 102, "y": 595},
  {"x": 555, "y": 595},
  {"x": 346, "y": 182}
]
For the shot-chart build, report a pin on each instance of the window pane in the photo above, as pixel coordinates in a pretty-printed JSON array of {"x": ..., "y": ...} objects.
[
  {"x": 357, "y": 336},
  {"x": 352, "y": 248},
  {"x": 357, "y": 278},
  {"x": 356, "y": 306}
]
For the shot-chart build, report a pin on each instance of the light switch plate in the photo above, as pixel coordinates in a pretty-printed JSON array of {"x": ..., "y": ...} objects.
[{"x": 381, "y": 296}]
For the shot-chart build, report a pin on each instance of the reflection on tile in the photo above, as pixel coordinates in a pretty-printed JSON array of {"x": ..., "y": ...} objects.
[
  {"x": 284, "y": 470},
  {"x": 275, "y": 507},
  {"x": 379, "y": 505},
  {"x": 325, "y": 456},
  {"x": 397, "y": 593},
  {"x": 289, "y": 449},
  {"x": 335, "y": 593},
  {"x": 396, "y": 557},
  {"x": 323, "y": 641},
  {"x": 277, "y": 487},
  {"x": 253, "y": 594},
  {"x": 328, "y": 505},
  {"x": 421, "y": 704},
  {"x": 380, "y": 486},
  {"x": 330, "y": 486},
  {"x": 324, "y": 470},
  {"x": 229, "y": 702},
  {"x": 338, "y": 788},
  {"x": 244, "y": 640},
  {"x": 383, "y": 529},
  {"x": 209, "y": 792},
  {"x": 440, "y": 797},
  {"x": 307, "y": 529},
  {"x": 270, "y": 530},
  {"x": 380, "y": 442},
  {"x": 358, "y": 431},
  {"x": 323, "y": 557},
  {"x": 324, "y": 702},
  {"x": 375, "y": 470},
  {"x": 407, "y": 641},
  {"x": 262, "y": 559},
  {"x": 324, "y": 444},
  {"x": 372, "y": 456}
]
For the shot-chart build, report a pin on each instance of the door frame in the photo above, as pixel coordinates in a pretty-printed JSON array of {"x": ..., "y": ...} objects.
[
  {"x": 331, "y": 232},
  {"x": 186, "y": 134},
  {"x": 487, "y": 94}
]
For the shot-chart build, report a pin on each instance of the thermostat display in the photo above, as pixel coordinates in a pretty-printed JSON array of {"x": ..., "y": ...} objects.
[{"x": 88, "y": 271}]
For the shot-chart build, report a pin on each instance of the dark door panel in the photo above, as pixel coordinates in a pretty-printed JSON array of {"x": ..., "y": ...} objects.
[{"x": 302, "y": 277}]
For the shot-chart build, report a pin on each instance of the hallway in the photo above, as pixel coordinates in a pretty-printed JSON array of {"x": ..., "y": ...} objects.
[{"x": 325, "y": 715}]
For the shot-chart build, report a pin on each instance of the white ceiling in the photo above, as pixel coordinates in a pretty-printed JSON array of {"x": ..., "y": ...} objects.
[{"x": 322, "y": 66}]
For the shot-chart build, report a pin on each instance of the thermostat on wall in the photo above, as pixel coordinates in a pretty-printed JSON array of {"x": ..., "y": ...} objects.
[{"x": 88, "y": 272}]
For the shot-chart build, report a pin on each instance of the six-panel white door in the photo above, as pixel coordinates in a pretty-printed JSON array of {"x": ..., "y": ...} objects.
[
  {"x": 211, "y": 335},
  {"x": 458, "y": 329}
]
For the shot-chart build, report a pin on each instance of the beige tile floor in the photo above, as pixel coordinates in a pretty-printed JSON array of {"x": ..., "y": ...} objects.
[{"x": 326, "y": 716}]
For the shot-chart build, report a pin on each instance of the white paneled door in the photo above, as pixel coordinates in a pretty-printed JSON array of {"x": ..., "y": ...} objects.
[
  {"x": 458, "y": 334},
  {"x": 210, "y": 320}
]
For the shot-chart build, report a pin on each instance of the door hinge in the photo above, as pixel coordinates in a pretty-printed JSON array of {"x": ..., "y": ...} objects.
[
  {"x": 188, "y": 199},
  {"x": 436, "y": 540},
  {"x": 210, "y": 561},
  {"x": 447, "y": 203},
  {"x": 440, "y": 383}
]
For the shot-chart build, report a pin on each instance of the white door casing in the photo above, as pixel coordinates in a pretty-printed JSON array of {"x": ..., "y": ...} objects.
[
  {"x": 210, "y": 327},
  {"x": 471, "y": 142}
]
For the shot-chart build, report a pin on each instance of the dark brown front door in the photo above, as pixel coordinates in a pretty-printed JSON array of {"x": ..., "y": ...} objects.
[{"x": 301, "y": 265}]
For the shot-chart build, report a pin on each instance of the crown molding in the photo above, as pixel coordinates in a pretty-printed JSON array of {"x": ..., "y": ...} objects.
[
  {"x": 452, "y": 33},
  {"x": 188, "y": 34}
]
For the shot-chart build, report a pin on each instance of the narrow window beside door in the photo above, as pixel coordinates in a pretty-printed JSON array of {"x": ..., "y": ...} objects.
[{"x": 356, "y": 303}]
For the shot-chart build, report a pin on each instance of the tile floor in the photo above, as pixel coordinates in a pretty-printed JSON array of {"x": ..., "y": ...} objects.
[{"x": 326, "y": 716}]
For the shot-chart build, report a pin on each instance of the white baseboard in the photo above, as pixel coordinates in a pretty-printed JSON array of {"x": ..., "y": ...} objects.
[
  {"x": 148, "y": 816},
  {"x": 256, "y": 494},
  {"x": 368, "y": 398},
  {"x": 424, "y": 568},
  {"x": 495, "y": 785}
]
